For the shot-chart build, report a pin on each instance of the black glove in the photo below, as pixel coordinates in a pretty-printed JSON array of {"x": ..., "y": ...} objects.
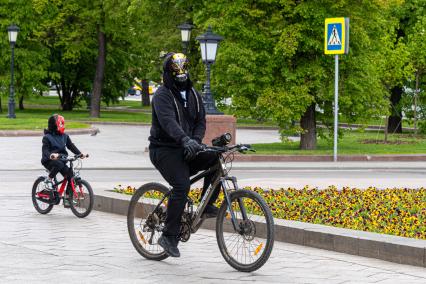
[{"x": 190, "y": 148}]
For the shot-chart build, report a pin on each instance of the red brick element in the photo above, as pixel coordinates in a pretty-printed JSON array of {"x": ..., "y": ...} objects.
[{"x": 218, "y": 125}]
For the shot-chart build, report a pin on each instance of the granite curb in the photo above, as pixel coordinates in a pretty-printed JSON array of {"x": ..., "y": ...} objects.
[
  {"x": 21, "y": 133},
  {"x": 329, "y": 158},
  {"x": 373, "y": 245}
]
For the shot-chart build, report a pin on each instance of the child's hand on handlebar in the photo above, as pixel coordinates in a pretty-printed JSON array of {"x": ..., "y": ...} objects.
[
  {"x": 54, "y": 156},
  {"x": 82, "y": 156}
]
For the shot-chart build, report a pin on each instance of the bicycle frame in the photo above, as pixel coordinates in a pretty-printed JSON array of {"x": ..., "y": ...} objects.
[
  {"x": 63, "y": 183},
  {"x": 220, "y": 178}
]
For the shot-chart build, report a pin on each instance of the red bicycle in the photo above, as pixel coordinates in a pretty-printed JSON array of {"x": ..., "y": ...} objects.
[{"x": 78, "y": 192}]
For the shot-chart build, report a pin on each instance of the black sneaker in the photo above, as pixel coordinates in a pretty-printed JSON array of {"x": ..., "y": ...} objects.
[
  {"x": 169, "y": 244},
  {"x": 210, "y": 211}
]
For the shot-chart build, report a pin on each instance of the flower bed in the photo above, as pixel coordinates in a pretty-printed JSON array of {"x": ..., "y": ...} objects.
[{"x": 396, "y": 211}]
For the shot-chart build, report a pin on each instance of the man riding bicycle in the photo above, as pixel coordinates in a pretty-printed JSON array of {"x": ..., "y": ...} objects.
[{"x": 177, "y": 130}]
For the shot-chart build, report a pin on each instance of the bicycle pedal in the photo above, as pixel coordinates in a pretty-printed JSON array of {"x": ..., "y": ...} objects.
[{"x": 66, "y": 203}]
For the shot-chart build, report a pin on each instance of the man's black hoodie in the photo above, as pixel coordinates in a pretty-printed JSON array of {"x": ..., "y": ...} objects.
[{"x": 173, "y": 118}]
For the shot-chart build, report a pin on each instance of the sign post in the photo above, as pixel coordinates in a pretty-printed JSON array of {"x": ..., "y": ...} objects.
[{"x": 336, "y": 41}]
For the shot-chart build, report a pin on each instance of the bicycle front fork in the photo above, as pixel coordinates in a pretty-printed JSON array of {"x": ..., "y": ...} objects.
[{"x": 228, "y": 201}]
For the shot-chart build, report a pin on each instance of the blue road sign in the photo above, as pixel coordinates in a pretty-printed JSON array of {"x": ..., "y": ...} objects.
[{"x": 336, "y": 35}]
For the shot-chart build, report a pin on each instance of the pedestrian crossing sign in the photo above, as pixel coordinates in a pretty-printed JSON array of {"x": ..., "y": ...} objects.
[{"x": 336, "y": 34}]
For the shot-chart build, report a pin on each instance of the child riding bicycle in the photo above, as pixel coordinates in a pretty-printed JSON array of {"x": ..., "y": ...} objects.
[{"x": 55, "y": 142}]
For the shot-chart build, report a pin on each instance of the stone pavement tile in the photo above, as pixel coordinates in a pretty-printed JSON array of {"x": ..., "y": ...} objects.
[
  {"x": 98, "y": 250},
  {"x": 401, "y": 281}
]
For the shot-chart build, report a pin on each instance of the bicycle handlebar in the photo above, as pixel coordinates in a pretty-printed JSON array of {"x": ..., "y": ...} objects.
[
  {"x": 72, "y": 159},
  {"x": 233, "y": 148}
]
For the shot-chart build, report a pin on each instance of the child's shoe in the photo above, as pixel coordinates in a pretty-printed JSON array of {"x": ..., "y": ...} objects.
[{"x": 48, "y": 186}]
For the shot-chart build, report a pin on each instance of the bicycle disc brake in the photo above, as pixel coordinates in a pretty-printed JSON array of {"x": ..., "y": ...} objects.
[{"x": 248, "y": 229}]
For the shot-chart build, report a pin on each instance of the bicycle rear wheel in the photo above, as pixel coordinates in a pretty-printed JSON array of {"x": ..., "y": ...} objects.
[
  {"x": 41, "y": 204},
  {"x": 249, "y": 247},
  {"x": 144, "y": 223},
  {"x": 81, "y": 203}
]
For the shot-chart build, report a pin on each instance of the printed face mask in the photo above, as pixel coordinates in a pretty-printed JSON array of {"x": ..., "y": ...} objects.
[{"x": 60, "y": 124}]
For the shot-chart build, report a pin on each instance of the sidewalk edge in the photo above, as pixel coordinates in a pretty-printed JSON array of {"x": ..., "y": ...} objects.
[
  {"x": 26, "y": 133},
  {"x": 329, "y": 158}
]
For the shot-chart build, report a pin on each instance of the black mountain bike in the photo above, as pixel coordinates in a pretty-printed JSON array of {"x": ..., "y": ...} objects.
[
  {"x": 244, "y": 225},
  {"x": 78, "y": 191}
]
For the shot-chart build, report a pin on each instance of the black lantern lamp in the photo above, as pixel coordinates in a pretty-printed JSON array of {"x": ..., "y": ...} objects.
[
  {"x": 208, "y": 45},
  {"x": 185, "y": 31},
  {"x": 12, "y": 30}
]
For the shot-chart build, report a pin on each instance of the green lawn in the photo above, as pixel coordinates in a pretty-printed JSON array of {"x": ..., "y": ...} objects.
[
  {"x": 352, "y": 143},
  {"x": 33, "y": 124},
  {"x": 37, "y": 118},
  {"x": 54, "y": 102},
  {"x": 255, "y": 123}
]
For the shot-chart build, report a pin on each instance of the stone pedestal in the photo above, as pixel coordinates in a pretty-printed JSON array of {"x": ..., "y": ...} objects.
[{"x": 218, "y": 125}]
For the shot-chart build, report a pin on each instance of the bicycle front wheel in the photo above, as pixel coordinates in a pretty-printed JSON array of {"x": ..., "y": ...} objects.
[
  {"x": 249, "y": 246},
  {"x": 81, "y": 203},
  {"x": 145, "y": 219}
]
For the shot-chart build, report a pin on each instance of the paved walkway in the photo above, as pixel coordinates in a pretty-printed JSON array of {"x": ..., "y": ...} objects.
[
  {"x": 115, "y": 146},
  {"x": 60, "y": 248}
]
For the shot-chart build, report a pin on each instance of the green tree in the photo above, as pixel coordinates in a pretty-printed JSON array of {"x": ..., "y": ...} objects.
[
  {"x": 155, "y": 27},
  {"x": 71, "y": 42},
  {"x": 31, "y": 58},
  {"x": 415, "y": 106},
  {"x": 406, "y": 33},
  {"x": 272, "y": 61},
  {"x": 114, "y": 32}
]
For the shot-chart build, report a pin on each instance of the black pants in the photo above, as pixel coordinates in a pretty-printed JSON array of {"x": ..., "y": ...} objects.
[
  {"x": 57, "y": 166},
  {"x": 177, "y": 172}
]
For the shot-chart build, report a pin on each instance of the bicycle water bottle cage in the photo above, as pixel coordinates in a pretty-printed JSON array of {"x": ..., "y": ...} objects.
[{"x": 222, "y": 140}]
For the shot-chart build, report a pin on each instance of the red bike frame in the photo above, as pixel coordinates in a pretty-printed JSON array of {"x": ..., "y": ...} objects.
[{"x": 62, "y": 189}]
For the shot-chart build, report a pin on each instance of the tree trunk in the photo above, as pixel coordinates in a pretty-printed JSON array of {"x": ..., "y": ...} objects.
[
  {"x": 59, "y": 91},
  {"x": 21, "y": 102},
  {"x": 416, "y": 93},
  {"x": 66, "y": 100},
  {"x": 386, "y": 129},
  {"x": 395, "y": 119},
  {"x": 99, "y": 75},
  {"x": 145, "y": 92},
  {"x": 308, "y": 138},
  {"x": 1, "y": 109}
]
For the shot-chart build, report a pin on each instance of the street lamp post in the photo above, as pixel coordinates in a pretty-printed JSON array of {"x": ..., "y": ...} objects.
[
  {"x": 185, "y": 31},
  {"x": 208, "y": 45},
  {"x": 13, "y": 33}
]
